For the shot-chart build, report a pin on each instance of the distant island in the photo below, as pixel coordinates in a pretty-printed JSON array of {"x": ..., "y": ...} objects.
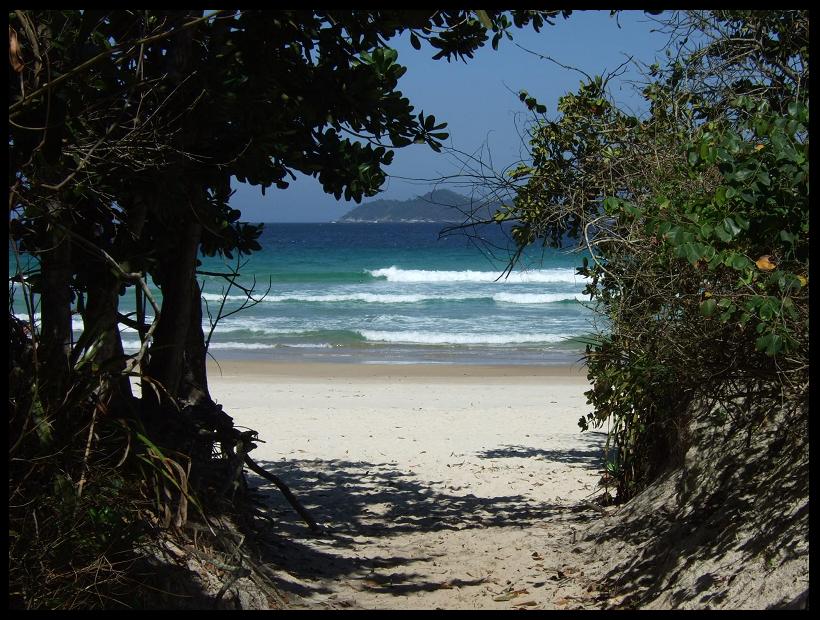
[{"x": 439, "y": 206}]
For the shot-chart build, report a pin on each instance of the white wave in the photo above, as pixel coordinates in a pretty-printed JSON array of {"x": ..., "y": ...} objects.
[
  {"x": 253, "y": 327},
  {"x": 417, "y": 337},
  {"x": 369, "y": 298},
  {"x": 135, "y": 345},
  {"x": 22, "y": 316},
  {"x": 77, "y": 325},
  {"x": 215, "y": 297},
  {"x": 241, "y": 345},
  {"x": 537, "y": 298},
  {"x": 129, "y": 345},
  {"x": 394, "y": 274},
  {"x": 373, "y": 298}
]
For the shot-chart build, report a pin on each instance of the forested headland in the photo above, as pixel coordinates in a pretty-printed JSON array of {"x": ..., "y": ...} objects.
[
  {"x": 125, "y": 130},
  {"x": 438, "y": 206}
]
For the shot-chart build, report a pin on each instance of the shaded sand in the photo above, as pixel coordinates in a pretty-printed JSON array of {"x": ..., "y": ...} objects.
[
  {"x": 437, "y": 486},
  {"x": 727, "y": 529}
]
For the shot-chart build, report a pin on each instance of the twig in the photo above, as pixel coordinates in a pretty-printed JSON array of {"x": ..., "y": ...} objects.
[
  {"x": 82, "y": 164},
  {"x": 116, "y": 48},
  {"x": 231, "y": 278},
  {"x": 81, "y": 484}
]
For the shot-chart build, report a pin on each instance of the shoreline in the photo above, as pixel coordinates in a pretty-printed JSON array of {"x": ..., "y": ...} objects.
[
  {"x": 403, "y": 355},
  {"x": 233, "y": 369}
]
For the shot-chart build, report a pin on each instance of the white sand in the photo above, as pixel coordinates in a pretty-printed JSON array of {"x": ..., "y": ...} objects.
[{"x": 437, "y": 486}]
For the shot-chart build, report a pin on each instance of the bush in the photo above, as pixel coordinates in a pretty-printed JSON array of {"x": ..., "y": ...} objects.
[{"x": 696, "y": 219}]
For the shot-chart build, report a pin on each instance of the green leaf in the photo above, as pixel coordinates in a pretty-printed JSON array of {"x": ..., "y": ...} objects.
[
  {"x": 723, "y": 155},
  {"x": 720, "y": 196},
  {"x": 769, "y": 309},
  {"x": 611, "y": 204},
  {"x": 739, "y": 262},
  {"x": 706, "y": 251},
  {"x": 742, "y": 175},
  {"x": 791, "y": 283},
  {"x": 731, "y": 227},
  {"x": 692, "y": 252},
  {"x": 630, "y": 208},
  {"x": 37, "y": 412},
  {"x": 771, "y": 343},
  {"x": 722, "y": 234},
  {"x": 707, "y": 307},
  {"x": 778, "y": 278}
]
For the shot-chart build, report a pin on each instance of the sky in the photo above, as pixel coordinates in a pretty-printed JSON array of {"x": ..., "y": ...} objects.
[{"x": 479, "y": 101}]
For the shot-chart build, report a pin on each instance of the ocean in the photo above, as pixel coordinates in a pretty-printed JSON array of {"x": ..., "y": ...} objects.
[{"x": 393, "y": 293}]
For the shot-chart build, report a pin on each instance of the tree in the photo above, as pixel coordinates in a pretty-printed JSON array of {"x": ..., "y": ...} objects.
[
  {"x": 310, "y": 91},
  {"x": 126, "y": 128}
]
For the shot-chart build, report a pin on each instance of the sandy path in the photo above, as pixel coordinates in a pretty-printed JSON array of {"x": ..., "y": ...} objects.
[{"x": 437, "y": 486}]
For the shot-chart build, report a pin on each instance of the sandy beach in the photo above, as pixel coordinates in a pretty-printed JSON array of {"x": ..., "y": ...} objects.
[{"x": 437, "y": 486}]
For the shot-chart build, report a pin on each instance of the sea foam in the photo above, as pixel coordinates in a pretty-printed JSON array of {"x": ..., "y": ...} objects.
[
  {"x": 370, "y": 298},
  {"x": 410, "y": 298},
  {"x": 537, "y": 298},
  {"x": 394, "y": 274},
  {"x": 418, "y": 337}
]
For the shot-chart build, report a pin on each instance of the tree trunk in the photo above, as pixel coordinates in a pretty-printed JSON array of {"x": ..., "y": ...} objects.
[
  {"x": 179, "y": 288},
  {"x": 169, "y": 361},
  {"x": 55, "y": 299},
  {"x": 100, "y": 320},
  {"x": 194, "y": 386}
]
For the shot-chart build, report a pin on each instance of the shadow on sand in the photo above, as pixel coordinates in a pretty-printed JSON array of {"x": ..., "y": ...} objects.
[{"x": 354, "y": 500}]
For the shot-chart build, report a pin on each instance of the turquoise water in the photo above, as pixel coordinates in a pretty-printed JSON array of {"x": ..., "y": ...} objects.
[{"x": 395, "y": 293}]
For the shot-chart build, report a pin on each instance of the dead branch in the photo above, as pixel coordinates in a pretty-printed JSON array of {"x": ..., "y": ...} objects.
[{"x": 292, "y": 499}]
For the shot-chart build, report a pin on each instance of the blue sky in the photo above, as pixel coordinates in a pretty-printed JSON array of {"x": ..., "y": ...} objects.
[{"x": 479, "y": 102}]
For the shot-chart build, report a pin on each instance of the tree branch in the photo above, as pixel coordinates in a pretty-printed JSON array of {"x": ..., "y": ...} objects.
[{"x": 92, "y": 61}]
